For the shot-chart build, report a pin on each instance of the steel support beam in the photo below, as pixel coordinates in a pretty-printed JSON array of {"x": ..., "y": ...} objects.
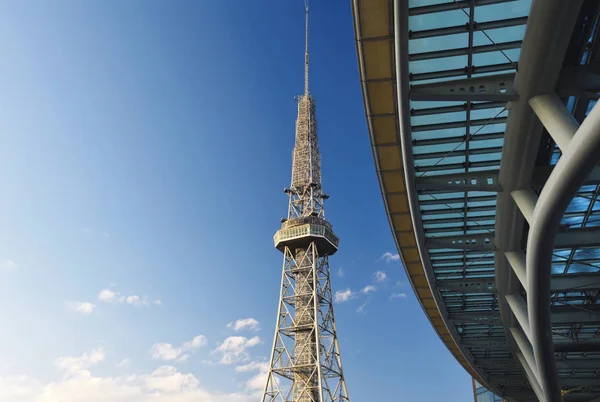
[
  {"x": 463, "y": 242},
  {"x": 471, "y": 181},
  {"x": 558, "y": 283},
  {"x": 458, "y": 29},
  {"x": 579, "y": 237},
  {"x": 579, "y": 80},
  {"x": 457, "y": 4},
  {"x": 559, "y": 315},
  {"x": 541, "y": 174},
  {"x": 489, "y": 88}
]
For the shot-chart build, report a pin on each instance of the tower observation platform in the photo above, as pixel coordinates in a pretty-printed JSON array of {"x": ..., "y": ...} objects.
[{"x": 486, "y": 140}]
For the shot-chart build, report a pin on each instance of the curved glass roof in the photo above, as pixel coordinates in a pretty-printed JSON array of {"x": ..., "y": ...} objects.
[
  {"x": 462, "y": 60},
  {"x": 451, "y": 41},
  {"x": 455, "y": 139}
]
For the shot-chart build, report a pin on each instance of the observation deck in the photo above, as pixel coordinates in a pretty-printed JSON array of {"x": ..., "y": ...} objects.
[{"x": 299, "y": 232}]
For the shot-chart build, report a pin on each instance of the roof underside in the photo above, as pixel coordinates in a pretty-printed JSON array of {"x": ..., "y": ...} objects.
[{"x": 457, "y": 132}]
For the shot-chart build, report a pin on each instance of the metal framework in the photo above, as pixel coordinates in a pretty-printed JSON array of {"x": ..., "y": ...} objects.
[
  {"x": 305, "y": 363},
  {"x": 470, "y": 105}
]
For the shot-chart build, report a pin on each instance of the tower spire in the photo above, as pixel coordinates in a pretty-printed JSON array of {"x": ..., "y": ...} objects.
[{"x": 306, "y": 51}]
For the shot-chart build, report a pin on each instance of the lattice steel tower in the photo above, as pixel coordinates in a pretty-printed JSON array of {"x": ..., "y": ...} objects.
[{"x": 305, "y": 362}]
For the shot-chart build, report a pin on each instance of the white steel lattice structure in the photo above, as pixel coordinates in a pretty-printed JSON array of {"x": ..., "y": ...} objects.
[{"x": 305, "y": 361}]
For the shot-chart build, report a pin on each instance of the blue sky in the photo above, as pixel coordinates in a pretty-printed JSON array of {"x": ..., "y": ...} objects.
[{"x": 145, "y": 147}]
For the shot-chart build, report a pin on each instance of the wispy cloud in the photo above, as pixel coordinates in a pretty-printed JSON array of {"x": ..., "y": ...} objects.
[
  {"x": 379, "y": 276},
  {"x": 8, "y": 265},
  {"x": 111, "y": 296},
  {"x": 245, "y": 323},
  {"x": 397, "y": 296},
  {"x": 79, "y": 383},
  {"x": 389, "y": 257},
  {"x": 340, "y": 272},
  {"x": 257, "y": 382},
  {"x": 166, "y": 351},
  {"x": 368, "y": 289},
  {"x": 72, "y": 365},
  {"x": 107, "y": 295},
  {"x": 342, "y": 296},
  {"x": 123, "y": 363},
  {"x": 361, "y": 308},
  {"x": 83, "y": 308},
  {"x": 234, "y": 348}
]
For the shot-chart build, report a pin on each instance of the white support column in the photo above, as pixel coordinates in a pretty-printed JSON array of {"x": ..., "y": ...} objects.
[
  {"x": 556, "y": 118},
  {"x": 527, "y": 352},
  {"x": 530, "y": 376},
  {"x": 581, "y": 154},
  {"x": 516, "y": 259},
  {"x": 519, "y": 309},
  {"x": 526, "y": 200}
]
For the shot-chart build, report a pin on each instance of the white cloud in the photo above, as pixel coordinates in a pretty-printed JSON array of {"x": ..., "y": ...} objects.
[
  {"x": 253, "y": 366},
  {"x": 164, "y": 384},
  {"x": 123, "y": 363},
  {"x": 342, "y": 296},
  {"x": 107, "y": 295},
  {"x": 368, "y": 289},
  {"x": 166, "y": 351},
  {"x": 134, "y": 301},
  {"x": 195, "y": 343},
  {"x": 258, "y": 381},
  {"x": 111, "y": 296},
  {"x": 73, "y": 365},
  {"x": 340, "y": 272},
  {"x": 234, "y": 348},
  {"x": 83, "y": 308},
  {"x": 246, "y": 323},
  {"x": 397, "y": 296},
  {"x": 361, "y": 308},
  {"x": 8, "y": 265},
  {"x": 389, "y": 257},
  {"x": 379, "y": 276}
]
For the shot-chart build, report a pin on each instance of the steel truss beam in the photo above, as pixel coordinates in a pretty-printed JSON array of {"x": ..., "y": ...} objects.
[
  {"x": 464, "y": 50},
  {"x": 489, "y": 88},
  {"x": 542, "y": 173},
  {"x": 558, "y": 283},
  {"x": 465, "y": 242},
  {"x": 583, "y": 79},
  {"x": 578, "y": 237},
  {"x": 471, "y": 181},
  {"x": 461, "y": 72},
  {"x": 458, "y": 124},
  {"x": 457, "y": 4},
  {"x": 565, "y": 382},
  {"x": 559, "y": 315},
  {"x": 457, "y": 108},
  {"x": 563, "y": 364},
  {"x": 560, "y": 345},
  {"x": 485, "y": 180},
  {"x": 458, "y": 29}
]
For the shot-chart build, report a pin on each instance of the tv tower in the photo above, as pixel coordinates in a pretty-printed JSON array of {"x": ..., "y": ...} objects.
[{"x": 305, "y": 361}]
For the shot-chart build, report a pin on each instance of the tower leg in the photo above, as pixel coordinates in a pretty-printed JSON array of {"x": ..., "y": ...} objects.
[{"x": 305, "y": 361}]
